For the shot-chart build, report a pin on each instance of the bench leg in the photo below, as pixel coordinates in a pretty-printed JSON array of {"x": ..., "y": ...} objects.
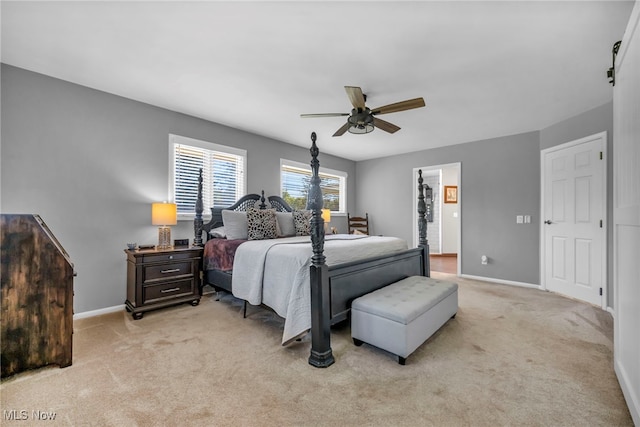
[
  {"x": 357, "y": 342},
  {"x": 402, "y": 360}
]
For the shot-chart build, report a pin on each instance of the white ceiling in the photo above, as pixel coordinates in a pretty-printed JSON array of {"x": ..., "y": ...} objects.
[{"x": 485, "y": 69}]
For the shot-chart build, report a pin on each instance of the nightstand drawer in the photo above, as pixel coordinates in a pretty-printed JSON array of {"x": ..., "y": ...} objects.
[
  {"x": 167, "y": 271},
  {"x": 167, "y": 257},
  {"x": 155, "y": 293}
]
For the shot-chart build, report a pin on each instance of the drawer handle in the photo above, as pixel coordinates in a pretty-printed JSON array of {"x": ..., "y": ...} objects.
[
  {"x": 171, "y": 270},
  {"x": 166, "y": 291}
]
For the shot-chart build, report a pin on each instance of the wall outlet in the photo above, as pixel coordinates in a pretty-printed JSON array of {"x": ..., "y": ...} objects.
[
  {"x": 527, "y": 219},
  {"x": 484, "y": 260},
  {"x": 519, "y": 219}
]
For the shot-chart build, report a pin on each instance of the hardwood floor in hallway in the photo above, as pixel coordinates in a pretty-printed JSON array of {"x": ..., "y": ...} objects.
[{"x": 444, "y": 263}]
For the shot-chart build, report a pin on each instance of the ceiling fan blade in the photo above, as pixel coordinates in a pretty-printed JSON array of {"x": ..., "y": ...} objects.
[
  {"x": 399, "y": 106},
  {"x": 385, "y": 126},
  {"x": 355, "y": 96},
  {"x": 342, "y": 130},
  {"x": 324, "y": 115}
]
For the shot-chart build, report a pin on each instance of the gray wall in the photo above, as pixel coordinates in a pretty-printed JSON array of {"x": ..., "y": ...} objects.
[
  {"x": 500, "y": 178},
  {"x": 91, "y": 163},
  {"x": 594, "y": 121}
]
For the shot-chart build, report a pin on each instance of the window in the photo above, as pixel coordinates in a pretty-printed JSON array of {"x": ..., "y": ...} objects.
[
  {"x": 223, "y": 178},
  {"x": 294, "y": 186}
]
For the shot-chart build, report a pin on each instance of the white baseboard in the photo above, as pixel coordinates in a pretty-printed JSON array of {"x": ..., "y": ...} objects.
[
  {"x": 633, "y": 400},
  {"x": 500, "y": 281},
  {"x": 98, "y": 312}
]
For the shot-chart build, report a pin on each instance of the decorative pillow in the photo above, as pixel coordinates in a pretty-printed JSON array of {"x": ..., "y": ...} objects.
[
  {"x": 235, "y": 224},
  {"x": 301, "y": 222},
  {"x": 261, "y": 224},
  {"x": 286, "y": 227},
  {"x": 218, "y": 233}
]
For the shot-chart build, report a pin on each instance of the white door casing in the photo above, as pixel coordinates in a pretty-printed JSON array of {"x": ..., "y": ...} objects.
[
  {"x": 574, "y": 228},
  {"x": 414, "y": 180}
]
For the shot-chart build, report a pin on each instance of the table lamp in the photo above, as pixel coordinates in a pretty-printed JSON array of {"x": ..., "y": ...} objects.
[
  {"x": 326, "y": 216},
  {"x": 164, "y": 214}
]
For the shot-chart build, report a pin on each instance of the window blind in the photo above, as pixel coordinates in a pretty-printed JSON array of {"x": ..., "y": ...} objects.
[{"x": 223, "y": 177}]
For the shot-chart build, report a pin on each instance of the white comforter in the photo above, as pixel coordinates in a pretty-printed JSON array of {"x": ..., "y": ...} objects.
[{"x": 275, "y": 272}]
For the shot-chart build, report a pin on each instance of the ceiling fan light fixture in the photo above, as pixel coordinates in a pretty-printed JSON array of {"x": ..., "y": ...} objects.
[
  {"x": 361, "y": 128},
  {"x": 360, "y": 121}
]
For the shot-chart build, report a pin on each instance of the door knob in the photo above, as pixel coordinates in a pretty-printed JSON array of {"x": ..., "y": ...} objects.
[{"x": 548, "y": 221}]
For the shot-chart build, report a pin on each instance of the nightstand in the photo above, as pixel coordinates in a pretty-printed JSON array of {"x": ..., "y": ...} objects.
[{"x": 159, "y": 278}]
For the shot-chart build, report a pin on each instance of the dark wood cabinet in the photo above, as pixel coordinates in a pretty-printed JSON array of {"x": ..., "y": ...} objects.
[
  {"x": 37, "y": 296},
  {"x": 163, "y": 277}
]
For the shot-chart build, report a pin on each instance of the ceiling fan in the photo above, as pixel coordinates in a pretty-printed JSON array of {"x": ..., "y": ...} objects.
[{"x": 362, "y": 119}]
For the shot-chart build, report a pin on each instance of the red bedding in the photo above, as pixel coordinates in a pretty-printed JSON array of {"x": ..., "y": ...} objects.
[{"x": 219, "y": 253}]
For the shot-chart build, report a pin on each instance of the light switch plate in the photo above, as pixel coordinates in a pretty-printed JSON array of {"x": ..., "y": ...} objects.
[{"x": 519, "y": 219}]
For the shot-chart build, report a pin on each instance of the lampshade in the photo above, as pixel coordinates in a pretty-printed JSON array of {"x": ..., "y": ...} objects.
[
  {"x": 164, "y": 214},
  {"x": 326, "y": 215}
]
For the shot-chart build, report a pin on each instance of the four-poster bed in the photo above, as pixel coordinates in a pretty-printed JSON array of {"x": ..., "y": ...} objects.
[{"x": 323, "y": 290}]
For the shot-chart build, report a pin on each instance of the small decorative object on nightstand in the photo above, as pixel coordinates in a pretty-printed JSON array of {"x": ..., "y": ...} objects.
[
  {"x": 159, "y": 278},
  {"x": 180, "y": 243}
]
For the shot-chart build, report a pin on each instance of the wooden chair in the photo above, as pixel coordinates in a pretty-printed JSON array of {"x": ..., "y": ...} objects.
[{"x": 358, "y": 223}]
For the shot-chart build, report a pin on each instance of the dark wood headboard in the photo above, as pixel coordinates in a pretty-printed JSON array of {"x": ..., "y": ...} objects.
[{"x": 243, "y": 204}]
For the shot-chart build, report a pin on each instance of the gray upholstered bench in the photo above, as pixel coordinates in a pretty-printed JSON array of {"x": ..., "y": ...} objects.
[{"x": 400, "y": 317}]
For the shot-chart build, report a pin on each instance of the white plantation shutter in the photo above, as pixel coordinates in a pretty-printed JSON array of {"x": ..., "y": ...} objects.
[{"x": 222, "y": 170}]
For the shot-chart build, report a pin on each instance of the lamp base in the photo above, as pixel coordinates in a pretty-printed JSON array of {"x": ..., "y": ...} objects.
[{"x": 164, "y": 238}]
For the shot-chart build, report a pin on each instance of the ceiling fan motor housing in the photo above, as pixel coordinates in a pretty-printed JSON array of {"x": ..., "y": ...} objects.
[{"x": 361, "y": 118}]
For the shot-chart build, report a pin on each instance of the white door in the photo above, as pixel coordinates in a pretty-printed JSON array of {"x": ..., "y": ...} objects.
[{"x": 574, "y": 219}]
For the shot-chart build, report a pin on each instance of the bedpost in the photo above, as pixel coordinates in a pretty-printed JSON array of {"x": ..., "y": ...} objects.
[
  {"x": 422, "y": 225},
  {"x": 263, "y": 205},
  {"x": 197, "y": 222},
  {"x": 321, "y": 353}
]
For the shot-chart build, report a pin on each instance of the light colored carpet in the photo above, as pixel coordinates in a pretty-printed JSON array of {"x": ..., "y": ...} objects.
[{"x": 512, "y": 356}]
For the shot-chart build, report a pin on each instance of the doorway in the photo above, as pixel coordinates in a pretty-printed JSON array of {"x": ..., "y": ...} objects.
[
  {"x": 444, "y": 223},
  {"x": 573, "y": 233}
]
